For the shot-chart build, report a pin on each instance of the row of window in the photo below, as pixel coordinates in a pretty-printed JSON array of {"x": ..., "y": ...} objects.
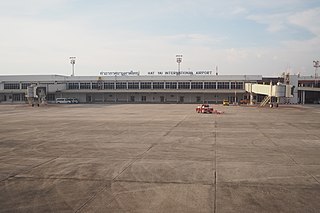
[
  {"x": 139, "y": 85},
  {"x": 155, "y": 85},
  {"x": 16, "y": 85}
]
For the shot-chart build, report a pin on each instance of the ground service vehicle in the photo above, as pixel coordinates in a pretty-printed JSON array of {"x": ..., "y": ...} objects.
[
  {"x": 63, "y": 101},
  {"x": 204, "y": 108},
  {"x": 225, "y": 102}
]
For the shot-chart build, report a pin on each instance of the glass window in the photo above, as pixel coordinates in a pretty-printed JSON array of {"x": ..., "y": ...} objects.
[
  {"x": 158, "y": 85},
  {"x": 25, "y": 85},
  {"x": 108, "y": 85},
  {"x": 210, "y": 85},
  {"x": 73, "y": 86},
  {"x": 171, "y": 85},
  {"x": 51, "y": 97},
  {"x": 145, "y": 85},
  {"x": 97, "y": 85},
  {"x": 236, "y": 85},
  {"x": 12, "y": 86},
  {"x": 184, "y": 85},
  {"x": 223, "y": 85},
  {"x": 133, "y": 85},
  {"x": 121, "y": 85},
  {"x": 196, "y": 85},
  {"x": 85, "y": 85},
  {"x": 16, "y": 97}
]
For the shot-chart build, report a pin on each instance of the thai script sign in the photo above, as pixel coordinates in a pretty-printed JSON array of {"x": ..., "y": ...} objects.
[
  {"x": 129, "y": 73},
  {"x": 170, "y": 73}
]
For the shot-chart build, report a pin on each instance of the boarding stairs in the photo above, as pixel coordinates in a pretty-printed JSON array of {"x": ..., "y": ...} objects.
[{"x": 266, "y": 100}]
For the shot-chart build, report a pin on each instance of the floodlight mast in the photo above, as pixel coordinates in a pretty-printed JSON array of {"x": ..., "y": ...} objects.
[
  {"x": 316, "y": 65},
  {"x": 179, "y": 60},
  {"x": 72, "y": 62}
]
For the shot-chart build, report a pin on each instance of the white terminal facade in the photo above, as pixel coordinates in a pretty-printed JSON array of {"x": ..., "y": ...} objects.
[{"x": 150, "y": 88}]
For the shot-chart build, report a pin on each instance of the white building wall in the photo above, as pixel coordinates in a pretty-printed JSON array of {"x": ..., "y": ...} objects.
[{"x": 52, "y": 88}]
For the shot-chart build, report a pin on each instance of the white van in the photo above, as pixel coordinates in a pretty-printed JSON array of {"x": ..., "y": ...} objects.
[
  {"x": 73, "y": 100},
  {"x": 63, "y": 101}
]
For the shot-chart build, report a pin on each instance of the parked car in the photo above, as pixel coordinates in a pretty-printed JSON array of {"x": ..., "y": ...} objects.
[{"x": 63, "y": 101}]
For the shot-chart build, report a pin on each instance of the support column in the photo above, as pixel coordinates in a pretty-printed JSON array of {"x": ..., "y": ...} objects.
[{"x": 251, "y": 98}]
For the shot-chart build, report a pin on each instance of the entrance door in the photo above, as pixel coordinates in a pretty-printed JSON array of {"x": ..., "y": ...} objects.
[
  {"x": 132, "y": 98},
  {"x": 181, "y": 99},
  {"x": 89, "y": 99},
  {"x": 161, "y": 99}
]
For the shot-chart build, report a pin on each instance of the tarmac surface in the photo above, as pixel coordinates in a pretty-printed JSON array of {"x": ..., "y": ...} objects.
[{"x": 159, "y": 158}]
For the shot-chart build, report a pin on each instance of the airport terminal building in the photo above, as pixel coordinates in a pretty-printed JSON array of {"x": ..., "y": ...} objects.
[{"x": 147, "y": 88}]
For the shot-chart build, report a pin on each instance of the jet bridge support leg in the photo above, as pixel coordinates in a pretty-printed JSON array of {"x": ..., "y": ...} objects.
[{"x": 251, "y": 98}]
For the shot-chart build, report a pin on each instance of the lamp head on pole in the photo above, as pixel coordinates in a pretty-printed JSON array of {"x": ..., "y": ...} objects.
[
  {"x": 179, "y": 58},
  {"x": 72, "y": 59}
]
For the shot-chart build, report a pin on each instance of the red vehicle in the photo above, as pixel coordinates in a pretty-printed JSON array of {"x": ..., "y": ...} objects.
[{"x": 204, "y": 108}]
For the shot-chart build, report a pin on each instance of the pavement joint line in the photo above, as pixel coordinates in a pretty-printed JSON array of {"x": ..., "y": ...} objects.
[
  {"x": 91, "y": 198},
  {"x": 62, "y": 178},
  {"x": 122, "y": 131},
  {"x": 271, "y": 185},
  {"x": 177, "y": 124},
  {"x": 223, "y": 183},
  {"x": 291, "y": 158},
  {"x": 29, "y": 169},
  {"x": 215, "y": 165},
  {"x": 116, "y": 195},
  {"x": 290, "y": 124},
  {"x": 164, "y": 182},
  {"x": 302, "y": 168},
  {"x": 265, "y": 178},
  {"x": 139, "y": 157}
]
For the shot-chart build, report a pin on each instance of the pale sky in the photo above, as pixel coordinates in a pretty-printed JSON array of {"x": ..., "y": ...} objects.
[{"x": 239, "y": 36}]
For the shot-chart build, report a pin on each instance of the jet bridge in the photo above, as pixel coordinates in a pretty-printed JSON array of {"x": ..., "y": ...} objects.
[
  {"x": 35, "y": 94},
  {"x": 278, "y": 91}
]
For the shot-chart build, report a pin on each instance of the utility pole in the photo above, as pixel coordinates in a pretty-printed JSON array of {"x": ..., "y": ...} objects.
[{"x": 316, "y": 65}]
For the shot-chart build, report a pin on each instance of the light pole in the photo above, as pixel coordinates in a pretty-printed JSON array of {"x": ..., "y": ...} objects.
[
  {"x": 235, "y": 93},
  {"x": 179, "y": 60},
  {"x": 72, "y": 62},
  {"x": 316, "y": 65}
]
